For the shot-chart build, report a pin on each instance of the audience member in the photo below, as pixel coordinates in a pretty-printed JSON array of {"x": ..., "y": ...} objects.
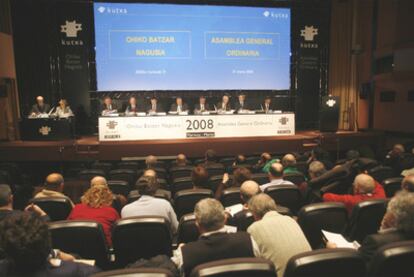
[
  {"x": 316, "y": 169},
  {"x": 53, "y": 187},
  {"x": 267, "y": 161},
  {"x": 96, "y": 204},
  {"x": 98, "y": 181},
  {"x": 278, "y": 237},
  {"x": 239, "y": 160},
  {"x": 148, "y": 205},
  {"x": 6, "y": 205},
  {"x": 407, "y": 183},
  {"x": 26, "y": 243},
  {"x": 319, "y": 154},
  {"x": 364, "y": 188},
  {"x": 211, "y": 158},
  {"x": 151, "y": 161},
  {"x": 289, "y": 164},
  {"x": 247, "y": 190},
  {"x": 215, "y": 243},
  {"x": 240, "y": 175},
  {"x": 275, "y": 177},
  {"x": 395, "y": 158},
  {"x": 200, "y": 178},
  {"x": 181, "y": 160}
]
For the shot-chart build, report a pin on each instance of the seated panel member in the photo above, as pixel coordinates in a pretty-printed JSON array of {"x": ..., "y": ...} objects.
[
  {"x": 201, "y": 106},
  {"x": 132, "y": 107},
  {"x": 108, "y": 107},
  {"x": 179, "y": 105},
  {"x": 241, "y": 104},
  {"x": 154, "y": 106},
  {"x": 63, "y": 110},
  {"x": 40, "y": 107},
  {"x": 267, "y": 106},
  {"x": 224, "y": 104}
]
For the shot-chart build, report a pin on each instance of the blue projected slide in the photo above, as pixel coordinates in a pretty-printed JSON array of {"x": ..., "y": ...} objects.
[{"x": 191, "y": 47}]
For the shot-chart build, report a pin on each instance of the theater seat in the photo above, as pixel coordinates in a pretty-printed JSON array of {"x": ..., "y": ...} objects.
[
  {"x": 128, "y": 165},
  {"x": 127, "y": 175},
  {"x": 230, "y": 196},
  {"x": 187, "y": 229},
  {"x": 106, "y": 167},
  {"x": 296, "y": 178},
  {"x": 260, "y": 178},
  {"x": 135, "y": 272},
  {"x": 244, "y": 220},
  {"x": 119, "y": 187},
  {"x": 81, "y": 237},
  {"x": 215, "y": 169},
  {"x": 329, "y": 216},
  {"x": 287, "y": 196},
  {"x": 326, "y": 263},
  {"x": 182, "y": 183},
  {"x": 394, "y": 259},
  {"x": 365, "y": 219},
  {"x": 240, "y": 267},
  {"x": 57, "y": 208},
  {"x": 380, "y": 173},
  {"x": 392, "y": 185},
  {"x": 134, "y": 238},
  {"x": 180, "y": 171},
  {"x": 186, "y": 200},
  {"x": 215, "y": 181},
  {"x": 88, "y": 174}
]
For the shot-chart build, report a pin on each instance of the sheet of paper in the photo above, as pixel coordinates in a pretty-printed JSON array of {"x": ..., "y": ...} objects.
[{"x": 339, "y": 240}]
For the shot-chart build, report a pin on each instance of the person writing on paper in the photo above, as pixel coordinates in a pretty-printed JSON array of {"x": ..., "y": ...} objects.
[
  {"x": 39, "y": 108},
  {"x": 154, "y": 107},
  {"x": 397, "y": 225},
  {"x": 63, "y": 110},
  {"x": 179, "y": 106},
  {"x": 241, "y": 104},
  {"x": 132, "y": 107},
  {"x": 201, "y": 106},
  {"x": 108, "y": 107},
  {"x": 224, "y": 104},
  {"x": 279, "y": 237},
  {"x": 267, "y": 105}
]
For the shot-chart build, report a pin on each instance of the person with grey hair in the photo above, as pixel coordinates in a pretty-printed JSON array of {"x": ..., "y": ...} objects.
[
  {"x": 407, "y": 183},
  {"x": 214, "y": 243},
  {"x": 148, "y": 205},
  {"x": 316, "y": 169},
  {"x": 397, "y": 225},
  {"x": 279, "y": 237},
  {"x": 6, "y": 205}
]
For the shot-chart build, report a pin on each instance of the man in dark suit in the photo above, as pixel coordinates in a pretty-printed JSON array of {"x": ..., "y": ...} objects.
[
  {"x": 241, "y": 104},
  {"x": 40, "y": 107},
  {"x": 215, "y": 243},
  {"x": 154, "y": 106},
  {"x": 201, "y": 106},
  {"x": 397, "y": 225},
  {"x": 267, "y": 105},
  {"x": 108, "y": 107},
  {"x": 224, "y": 104},
  {"x": 179, "y": 106}
]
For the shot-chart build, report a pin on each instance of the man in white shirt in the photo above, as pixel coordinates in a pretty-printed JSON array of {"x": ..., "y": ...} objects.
[
  {"x": 148, "y": 205},
  {"x": 275, "y": 177}
]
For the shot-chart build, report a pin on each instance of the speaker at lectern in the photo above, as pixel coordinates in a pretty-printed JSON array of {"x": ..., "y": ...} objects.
[{"x": 329, "y": 114}]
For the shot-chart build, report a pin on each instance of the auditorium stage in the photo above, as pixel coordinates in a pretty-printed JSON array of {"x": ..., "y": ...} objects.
[{"x": 88, "y": 147}]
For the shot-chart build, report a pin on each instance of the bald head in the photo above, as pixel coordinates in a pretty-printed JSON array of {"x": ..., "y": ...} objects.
[
  {"x": 408, "y": 183},
  {"x": 150, "y": 173},
  {"x": 266, "y": 157},
  {"x": 151, "y": 161},
  {"x": 398, "y": 148},
  {"x": 181, "y": 159},
  {"x": 54, "y": 182},
  {"x": 276, "y": 171},
  {"x": 98, "y": 181},
  {"x": 249, "y": 189},
  {"x": 364, "y": 184},
  {"x": 288, "y": 160}
]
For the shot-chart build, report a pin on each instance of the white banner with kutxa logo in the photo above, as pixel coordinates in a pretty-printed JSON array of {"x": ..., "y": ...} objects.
[{"x": 195, "y": 126}]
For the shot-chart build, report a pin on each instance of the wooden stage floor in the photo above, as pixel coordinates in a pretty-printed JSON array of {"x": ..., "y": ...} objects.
[{"x": 88, "y": 148}]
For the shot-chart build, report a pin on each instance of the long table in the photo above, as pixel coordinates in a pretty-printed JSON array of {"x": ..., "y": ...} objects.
[
  {"x": 195, "y": 126},
  {"x": 47, "y": 129}
]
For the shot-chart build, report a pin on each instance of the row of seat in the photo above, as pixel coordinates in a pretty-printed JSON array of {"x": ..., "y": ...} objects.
[{"x": 144, "y": 237}]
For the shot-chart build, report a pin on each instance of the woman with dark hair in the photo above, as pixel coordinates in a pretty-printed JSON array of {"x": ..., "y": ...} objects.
[
  {"x": 97, "y": 205},
  {"x": 26, "y": 246}
]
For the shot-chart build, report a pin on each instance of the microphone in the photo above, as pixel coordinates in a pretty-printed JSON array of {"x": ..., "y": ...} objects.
[{"x": 51, "y": 110}]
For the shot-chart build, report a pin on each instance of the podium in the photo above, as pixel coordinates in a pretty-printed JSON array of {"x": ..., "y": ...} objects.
[{"x": 329, "y": 114}]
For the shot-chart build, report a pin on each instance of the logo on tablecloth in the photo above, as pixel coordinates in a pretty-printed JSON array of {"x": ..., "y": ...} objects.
[
  {"x": 111, "y": 124},
  {"x": 45, "y": 130},
  {"x": 71, "y": 28},
  {"x": 284, "y": 120},
  {"x": 309, "y": 33},
  {"x": 331, "y": 103}
]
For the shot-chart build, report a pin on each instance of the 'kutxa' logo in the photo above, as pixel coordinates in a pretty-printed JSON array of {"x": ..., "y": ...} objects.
[{"x": 111, "y": 124}]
